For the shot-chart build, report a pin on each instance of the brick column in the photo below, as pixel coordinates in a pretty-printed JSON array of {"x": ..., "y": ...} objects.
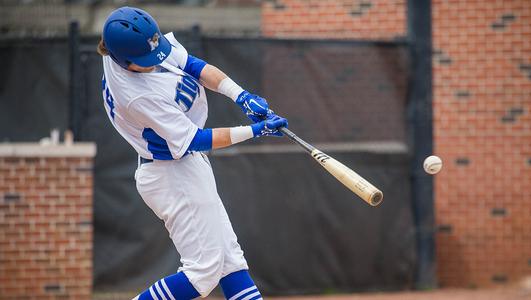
[
  {"x": 482, "y": 124},
  {"x": 46, "y": 221}
]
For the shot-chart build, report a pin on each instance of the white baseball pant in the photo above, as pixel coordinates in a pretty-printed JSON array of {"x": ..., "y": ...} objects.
[{"x": 183, "y": 194}]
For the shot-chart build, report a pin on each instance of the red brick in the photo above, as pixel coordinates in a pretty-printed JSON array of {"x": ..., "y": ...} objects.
[
  {"x": 333, "y": 19},
  {"x": 483, "y": 63},
  {"x": 39, "y": 242}
]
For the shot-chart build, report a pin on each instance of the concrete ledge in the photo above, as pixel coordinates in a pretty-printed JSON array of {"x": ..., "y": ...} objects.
[
  {"x": 212, "y": 20},
  {"x": 37, "y": 150},
  {"x": 367, "y": 147},
  {"x": 37, "y": 18}
]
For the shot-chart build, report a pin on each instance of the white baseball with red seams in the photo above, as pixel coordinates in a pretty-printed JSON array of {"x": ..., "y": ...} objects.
[{"x": 433, "y": 164}]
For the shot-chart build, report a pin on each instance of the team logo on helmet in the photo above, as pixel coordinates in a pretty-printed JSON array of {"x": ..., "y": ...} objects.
[{"x": 154, "y": 41}]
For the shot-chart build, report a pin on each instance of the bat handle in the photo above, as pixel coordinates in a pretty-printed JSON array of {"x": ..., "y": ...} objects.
[
  {"x": 297, "y": 139},
  {"x": 287, "y": 132},
  {"x": 293, "y": 136}
]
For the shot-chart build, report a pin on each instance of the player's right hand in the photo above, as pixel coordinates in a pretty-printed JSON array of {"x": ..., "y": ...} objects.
[
  {"x": 270, "y": 126},
  {"x": 254, "y": 106}
]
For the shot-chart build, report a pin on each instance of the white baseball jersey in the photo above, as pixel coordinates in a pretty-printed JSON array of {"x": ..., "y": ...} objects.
[{"x": 158, "y": 113}]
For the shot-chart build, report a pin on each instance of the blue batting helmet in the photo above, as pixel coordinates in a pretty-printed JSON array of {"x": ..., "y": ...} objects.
[{"x": 131, "y": 35}]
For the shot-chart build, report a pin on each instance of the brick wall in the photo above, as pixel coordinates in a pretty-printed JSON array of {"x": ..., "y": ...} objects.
[
  {"x": 482, "y": 120},
  {"x": 482, "y": 127},
  {"x": 45, "y": 223},
  {"x": 376, "y": 19}
]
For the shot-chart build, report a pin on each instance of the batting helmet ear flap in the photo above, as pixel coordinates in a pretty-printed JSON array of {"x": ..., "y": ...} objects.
[
  {"x": 103, "y": 51},
  {"x": 123, "y": 63}
]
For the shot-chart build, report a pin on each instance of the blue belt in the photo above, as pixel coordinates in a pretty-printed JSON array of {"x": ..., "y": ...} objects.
[{"x": 145, "y": 160}]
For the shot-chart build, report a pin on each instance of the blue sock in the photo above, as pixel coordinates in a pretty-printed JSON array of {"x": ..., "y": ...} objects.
[
  {"x": 239, "y": 286},
  {"x": 174, "y": 287}
]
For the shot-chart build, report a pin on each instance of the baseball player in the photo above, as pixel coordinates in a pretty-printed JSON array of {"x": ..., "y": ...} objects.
[{"x": 154, "y": 96}]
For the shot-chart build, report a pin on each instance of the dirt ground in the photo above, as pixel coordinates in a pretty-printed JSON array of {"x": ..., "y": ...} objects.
[
  {"x": 506, "y": 293},
  {"x": 499, "y": 294}
]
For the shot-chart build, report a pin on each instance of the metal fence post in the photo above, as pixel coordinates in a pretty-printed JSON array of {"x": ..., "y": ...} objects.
[
  {"x": 420, "y": 105},
  {"x": 74, "y": 80}
]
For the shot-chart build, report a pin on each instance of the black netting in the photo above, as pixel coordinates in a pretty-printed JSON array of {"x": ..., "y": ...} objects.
[
  {"x": 301, "y": 230},
  {"x": 331, "y": 91},
  {"x": 33, "y": 89}
]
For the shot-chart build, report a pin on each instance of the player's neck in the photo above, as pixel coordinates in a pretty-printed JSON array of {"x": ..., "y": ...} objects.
[{"x": 137, "y": 68}]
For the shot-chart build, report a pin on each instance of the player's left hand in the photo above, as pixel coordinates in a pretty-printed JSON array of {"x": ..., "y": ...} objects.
[
  {"x": 254, "y": 106},
  {"x": 270, "y": 126}
]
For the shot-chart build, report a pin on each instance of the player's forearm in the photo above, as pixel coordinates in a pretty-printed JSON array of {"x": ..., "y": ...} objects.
[
  {"x": 224, "y": 137},
  {"x": 211, "y": 76},
  {"x": 221, "y": 138},
  {"x": 215, "y": 80},
  {"x": 207, "y": 139}
]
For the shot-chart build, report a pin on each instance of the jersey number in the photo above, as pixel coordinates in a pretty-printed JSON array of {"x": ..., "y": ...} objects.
[
  {"x": 161, "y": 55},
  {"x": 108, "y": 97},
  {"x": 187, "y": 92}
]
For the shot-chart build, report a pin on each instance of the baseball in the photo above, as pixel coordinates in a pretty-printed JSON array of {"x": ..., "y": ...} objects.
[{"x": 432, "y": 164}]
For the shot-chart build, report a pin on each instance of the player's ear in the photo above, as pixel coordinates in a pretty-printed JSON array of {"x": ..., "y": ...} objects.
[{"x": 102, "y": 50}]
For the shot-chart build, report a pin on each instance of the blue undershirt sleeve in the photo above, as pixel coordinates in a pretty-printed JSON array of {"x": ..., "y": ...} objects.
[
  {"x": 194, "y": 66},
  {"x": 202, "y": 140}
]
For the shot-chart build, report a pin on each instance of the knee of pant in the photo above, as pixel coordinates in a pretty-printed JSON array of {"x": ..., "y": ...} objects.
[
  {"x": 234, "y": 262},
  {"x": 205, "y": 273}
]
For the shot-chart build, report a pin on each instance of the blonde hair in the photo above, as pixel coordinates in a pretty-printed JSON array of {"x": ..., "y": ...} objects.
[{"x": 102, "y": 50}]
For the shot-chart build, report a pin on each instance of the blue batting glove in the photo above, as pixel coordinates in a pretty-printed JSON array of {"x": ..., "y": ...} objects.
[
  {"x": 270, "y": 126},
  {"x": 254, "y": 106}
]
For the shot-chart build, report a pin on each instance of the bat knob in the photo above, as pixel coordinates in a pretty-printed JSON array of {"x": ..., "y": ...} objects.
[{"x": 376, "y": 198}]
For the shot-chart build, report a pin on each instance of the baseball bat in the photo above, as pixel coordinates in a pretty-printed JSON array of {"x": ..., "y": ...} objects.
[{"x": 352, "y": 180}]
